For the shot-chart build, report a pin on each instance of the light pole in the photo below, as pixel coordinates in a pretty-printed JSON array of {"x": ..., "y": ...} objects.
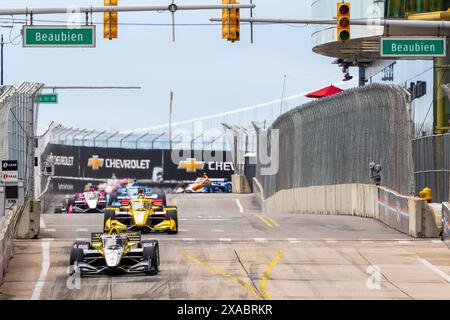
[
  {"x": 1, "y": 58},
  {"x": 170, "y": 119}
]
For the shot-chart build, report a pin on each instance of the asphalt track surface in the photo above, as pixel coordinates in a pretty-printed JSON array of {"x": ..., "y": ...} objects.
[{"x": 226, "y": 249}]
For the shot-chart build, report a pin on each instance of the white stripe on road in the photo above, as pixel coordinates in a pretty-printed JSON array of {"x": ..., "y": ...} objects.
[
  {"x": 183, "y": 230},
  {"x": 241, "y": 208},
  {"x": 44, "y": 270},
  {"x": 49, "y": 230},
  {"x": 404, "y": 242},
  {"x": 188, "y": 239},
  {"x": 216, "y": 230},
  {"x": 436, "y": 241},
  {"x": 260, "y": 239},
  {"x": 435, "y": 269},
  {"x": 225, "y": 239},
  {"x": 42, "y": 222},
  {"x": 82, "y": 230}
]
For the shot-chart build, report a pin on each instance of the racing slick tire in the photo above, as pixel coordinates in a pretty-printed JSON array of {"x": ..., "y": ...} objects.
[
  {"x": 152, "y": 243},
  {"x": 70, "y": 202},
  {"x": 82, "y": 245},
  {"x": 151, "y": 254},
  {"x": 163, "y": 198},
  {"x": 229, "y": 188},
  {"x": 109, "y": 214},
  {"x": 76, "y": 255},
  {"x": 173, "y": 214},
  {"x": 57, "y": 210},
  {"x": 112, "y": 198}
]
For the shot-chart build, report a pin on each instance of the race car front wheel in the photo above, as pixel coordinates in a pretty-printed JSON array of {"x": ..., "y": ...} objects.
[
  {"x": 76, "y": 255},
  {"x": 152, "y": 243},
  {"x": 151, "y": 254},
  {"x": 173, "y": 215},
  {"x": 86, "y": 245}
]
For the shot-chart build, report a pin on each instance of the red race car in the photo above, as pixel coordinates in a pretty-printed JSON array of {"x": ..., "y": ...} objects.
[{"x": 90, "y": 201}]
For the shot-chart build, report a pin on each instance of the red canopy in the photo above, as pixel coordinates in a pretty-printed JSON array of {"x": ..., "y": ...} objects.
[{"x": 324, "y": 92}]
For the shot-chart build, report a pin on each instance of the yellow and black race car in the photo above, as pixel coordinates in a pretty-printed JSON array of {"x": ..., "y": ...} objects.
[
  {"x": 116, "y": 250},
  {"x": 141, "y": 214}
]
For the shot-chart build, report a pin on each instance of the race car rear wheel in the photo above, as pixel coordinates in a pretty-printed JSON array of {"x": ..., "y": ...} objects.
[
  {"x": 112, "y": 198},
  {"x": 82, "y": 245},
  {"x": 151, "y": 254},
  {"x": 76, "y": 255},
  {"x": 229, "y": 188},
  {"x": 173, "y": 214},
  {"x": 70, "y": 203},
  {"x": 109, "y": 214}
]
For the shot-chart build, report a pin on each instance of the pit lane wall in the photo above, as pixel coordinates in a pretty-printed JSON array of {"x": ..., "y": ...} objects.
[{"x": 406, "y": 214}]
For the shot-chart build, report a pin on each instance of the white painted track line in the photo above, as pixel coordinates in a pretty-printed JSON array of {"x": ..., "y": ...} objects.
[
  {"x": 42, "y": 223},
  {"x": 435, "y": 269},
  {"x": 241, "y": 208},
  {"x": 44, "y": 270},
  {"x": 82, "y": 230},
  {"x": 49, "y": 230}
]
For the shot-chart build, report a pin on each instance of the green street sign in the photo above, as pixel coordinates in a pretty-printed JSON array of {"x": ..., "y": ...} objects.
[
  {"x": 426, "y": 47},
  {"x": 59, "y": 37},
  {"x": 47, "y": 98}
]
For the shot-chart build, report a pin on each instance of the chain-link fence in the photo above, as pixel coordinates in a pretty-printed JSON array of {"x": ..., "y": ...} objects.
[
  {"x": 432, "y": 165},
  {"x": 18, "y": 129},
  {"x": 332, "y": 141}
]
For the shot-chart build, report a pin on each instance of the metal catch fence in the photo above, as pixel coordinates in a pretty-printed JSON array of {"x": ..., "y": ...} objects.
[{"x": 333, "y": 140}]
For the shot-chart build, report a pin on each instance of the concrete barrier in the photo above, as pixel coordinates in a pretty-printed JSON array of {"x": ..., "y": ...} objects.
[
  {"x": 410, "y": 215},
  {"x": 6, "y": 240},
  {"x": 20, "y": 222},
  {"x": 29, "y": 223},
  {"x": 240, "y": 184}
]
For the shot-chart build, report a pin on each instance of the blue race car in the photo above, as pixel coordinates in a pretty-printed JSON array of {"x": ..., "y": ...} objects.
[
  {"x": 219, "y": 185},
  {"x": 125, "y": 194}
]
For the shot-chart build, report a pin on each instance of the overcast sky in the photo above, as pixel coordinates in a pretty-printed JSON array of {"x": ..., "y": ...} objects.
[{"x": 207, "y": 74}]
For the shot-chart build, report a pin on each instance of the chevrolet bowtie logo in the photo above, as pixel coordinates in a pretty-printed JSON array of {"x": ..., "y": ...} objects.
[
  {"x": 95, "y": 162},
  {"x": 191, "y": 165}
]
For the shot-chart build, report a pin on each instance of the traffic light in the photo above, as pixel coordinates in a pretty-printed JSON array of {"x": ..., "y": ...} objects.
[
  {"x": 231, "y": 22},
  {"x": 110, "y": 21},
  {"x": 343, "y": 21}
]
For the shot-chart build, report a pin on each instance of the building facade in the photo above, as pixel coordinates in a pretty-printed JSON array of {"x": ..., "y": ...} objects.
[{"x": 363, "y": 51}]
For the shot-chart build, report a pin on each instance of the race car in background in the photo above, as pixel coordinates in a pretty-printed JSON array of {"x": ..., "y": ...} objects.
[
  {"x": 142, "y": 214},
  {"x": 116, "y": 250},
  {"x": 124, "y": 195},
  {"x": 204, "y": 184},
  {"x": 90, "y": 201}
]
